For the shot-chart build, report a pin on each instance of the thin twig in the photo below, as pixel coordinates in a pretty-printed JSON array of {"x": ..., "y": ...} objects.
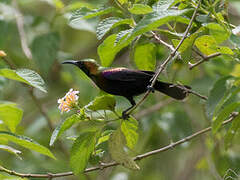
[
  {"x": 153, "y": 108},
  {"x": 22, "y": 35},
  {"x": 106, "y": 165},
  {"x": 169, "y": 46},
  {"x": 192, "y": 92},
  {"x": 169, "y": 58},
  {"x": 204, "y": 58}
]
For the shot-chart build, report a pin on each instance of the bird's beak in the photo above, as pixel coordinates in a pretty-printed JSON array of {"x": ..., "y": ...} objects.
[{"x": 70, "y": 62}]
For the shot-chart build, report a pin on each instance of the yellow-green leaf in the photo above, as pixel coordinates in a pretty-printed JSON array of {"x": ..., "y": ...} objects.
[
  {"x": 26, "y": 142},
  {"x": 116, "y": 146},
  {"x": 81, "y": 150},
  {"x": 145, "y": 56},
  {"x": 10, "y": 115},
  {"x": 129, "y": 129}
]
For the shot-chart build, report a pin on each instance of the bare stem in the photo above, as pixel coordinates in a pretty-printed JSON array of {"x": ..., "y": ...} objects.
[
  {"x": 22, "y": 35},
  {"x": 204, "y": 59},
  {"x": 169, "y": 58},
  {"x": 169, "y": 46},
  {"x": 106, "y": 165}
]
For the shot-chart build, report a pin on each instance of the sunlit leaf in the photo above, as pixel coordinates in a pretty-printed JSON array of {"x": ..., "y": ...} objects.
[
  {"x": 26, "y": 76},
  {"x": 217, "y": 31},
  {"x": 10, "y": 115},
  {"x": 65, "y": 125},
  {"x": 86, "y": 13},
  {"x": 145, "y": 56},
  {"x": 116, "y": 146},
  {"x": 104, "y": 137},
  {"x": 81, "y": 151},
  {"x": 106, "y": 102},
  {"x": 129, "y": 129},
  {"x": 208, "y": 45},
  {"x": 26, "y": 142},
  {"x": 104, "y": 52},
  {"x": 122, "y": 1},
  {"x": 140, "y": 9},
  {"x": 109, "y": 23},
  {"x": 160, "y": 15}
]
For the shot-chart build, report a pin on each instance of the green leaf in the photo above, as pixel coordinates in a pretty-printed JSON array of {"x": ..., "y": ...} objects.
[
  {"x": 231, "y": 132},
  {"x": 65, "y": 125},
  {"x": 106, "y": 102},
  {"x": 86, "y": 13},
  {"x": 111, "y": 42},
  {"x": 217, "y": 31},
  {"x": 104, "y": 137},
  {"x": 186, "y": 47},
  {"x": 140, "y": 9},
  {"x": 160, "y": 15},
  {"x": 27, "y": 143},
  {"x": 44, "y": 49},
  {"x": 224, "y": 114},
  {"x": 116, "y": 146},
  {"x": 145, "y": 56},
  {"x": 109, "y": 23},
  {"x": 208, "y": 45},
  {"x": 129, "y": 129},
  {"x": 122, "y": 1},
  {"x": 81, "y": 150},
  {"x": 215, "y": 95},
  {"x": 10, "y": 150},
  {"x": 10, "y": 115},
  {"x": 225, "y": 50},
  {"x": 26, "y": 76}
]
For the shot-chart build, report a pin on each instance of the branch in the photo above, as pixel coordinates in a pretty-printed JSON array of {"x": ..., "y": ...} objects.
[
  {"x": 106, "y": 165},
  {"x": 169, "y": 46},
  {"x": 169, "y": 58},
  {"x": 204, "y": 58},
  {"x": 22, "y": 35}
]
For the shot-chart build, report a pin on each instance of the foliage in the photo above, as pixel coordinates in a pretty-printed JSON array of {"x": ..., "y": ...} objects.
[{"x": 37, "y": 35}]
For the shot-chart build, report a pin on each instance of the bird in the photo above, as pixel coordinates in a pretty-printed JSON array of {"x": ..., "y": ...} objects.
[{"x": 126, "y": 82}]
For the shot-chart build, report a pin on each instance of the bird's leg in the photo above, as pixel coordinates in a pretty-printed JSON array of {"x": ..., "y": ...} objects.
[
  {"x": 150, "y": 88},
  {"x": 133, "y": 103}
]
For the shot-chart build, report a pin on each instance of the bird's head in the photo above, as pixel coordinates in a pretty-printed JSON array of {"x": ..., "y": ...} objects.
[{"x": 88, "y": 66}]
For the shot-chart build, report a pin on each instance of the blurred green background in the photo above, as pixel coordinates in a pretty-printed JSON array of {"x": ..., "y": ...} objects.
[{"x": 52, "y": 39}]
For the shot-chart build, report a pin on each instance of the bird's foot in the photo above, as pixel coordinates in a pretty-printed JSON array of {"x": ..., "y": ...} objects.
[
  {"x": 125, "y": 115},
  {"x": 150, "y": 88}
]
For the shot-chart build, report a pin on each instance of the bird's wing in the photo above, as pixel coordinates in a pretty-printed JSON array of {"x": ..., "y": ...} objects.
[
  {"x": 124, "y": 74},
  {"x": 149, "y": 72}
]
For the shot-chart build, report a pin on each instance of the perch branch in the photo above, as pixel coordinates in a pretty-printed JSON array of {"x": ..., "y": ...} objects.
[
  {"x": 106, "y": 165},
  {"x": 204, "y": 58},
  {"x": 169, "y": 58}
]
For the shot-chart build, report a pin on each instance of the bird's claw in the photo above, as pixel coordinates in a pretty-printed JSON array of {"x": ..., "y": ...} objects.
[
  {"x": 150, "y": 88},
  {"x": 125, "y": 115}
]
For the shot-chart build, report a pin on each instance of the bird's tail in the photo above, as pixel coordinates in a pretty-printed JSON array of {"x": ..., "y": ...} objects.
[{"x": 178, "y": 92}]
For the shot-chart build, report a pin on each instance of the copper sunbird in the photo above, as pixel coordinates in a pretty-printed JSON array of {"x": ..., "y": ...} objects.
[{"x": 126, "y": 82}]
